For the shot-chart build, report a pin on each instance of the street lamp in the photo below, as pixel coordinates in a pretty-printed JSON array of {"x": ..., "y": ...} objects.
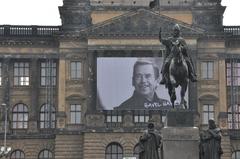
[{"x": 4, "y": 150}]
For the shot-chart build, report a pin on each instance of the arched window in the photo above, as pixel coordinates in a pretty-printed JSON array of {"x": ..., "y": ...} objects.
[
  {"x": 20, "y": 117},
  {"x": 45, "y": 154},
  {"x": 136, "y": 151},
  {"x": 114, "y": 151},
  {"x": 234, "y": 117},
  {"x": 47, "y": 117},
  {"x": 236, "y": 155},
  {"x": 17, "y": 154}
]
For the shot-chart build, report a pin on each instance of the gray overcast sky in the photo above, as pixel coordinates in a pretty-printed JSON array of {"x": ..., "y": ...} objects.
[{"x": 45, "y": 12}]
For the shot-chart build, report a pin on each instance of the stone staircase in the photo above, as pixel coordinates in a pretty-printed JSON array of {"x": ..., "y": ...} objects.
[{"x": 69, "y": 147}]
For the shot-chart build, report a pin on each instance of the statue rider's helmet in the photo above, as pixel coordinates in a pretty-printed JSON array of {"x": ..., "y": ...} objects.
[
  {"x": 176, "y": 27},
  {"x": 176, "y": 30}
]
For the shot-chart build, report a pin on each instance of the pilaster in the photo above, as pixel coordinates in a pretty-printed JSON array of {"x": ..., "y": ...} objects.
[
  {"x": 222, "y": 86},
  {"x": 222, "y": 116},
  {"x": 61, "y": 117},
  {"x": 34, "y": 97}
]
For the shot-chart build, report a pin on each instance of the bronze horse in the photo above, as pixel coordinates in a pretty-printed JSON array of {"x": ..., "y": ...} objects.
[{"x": 178, "y": 74}]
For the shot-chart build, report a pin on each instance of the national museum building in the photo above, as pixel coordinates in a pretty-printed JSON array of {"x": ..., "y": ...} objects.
[{"x": 60, "y": 86}]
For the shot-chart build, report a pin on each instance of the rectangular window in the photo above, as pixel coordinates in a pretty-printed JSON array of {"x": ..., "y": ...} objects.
[
  {"x": 234, "y": 117},
  {"x": 48, "y": 73},
  {"x": 207, "y": 70},
  {"x": 207, "y": 113},
  {"x": 141, "y": 116},
  {"x": 236, "y": 154},
  {"x": 21, "y": 73},
  {"x": 75, "y": 70},
  {"x": 233, "y": 73},
  {"x": 114, "y": 118},
  {"x": 75, "y": 114},
  {"x": 0, "y": 73}
]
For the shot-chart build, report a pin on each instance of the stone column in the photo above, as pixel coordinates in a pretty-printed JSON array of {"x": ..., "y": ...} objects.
[{"x": 180, "y": 138}]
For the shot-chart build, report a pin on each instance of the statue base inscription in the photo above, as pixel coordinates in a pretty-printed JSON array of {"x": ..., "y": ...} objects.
[{"x": 180, "y": 140}]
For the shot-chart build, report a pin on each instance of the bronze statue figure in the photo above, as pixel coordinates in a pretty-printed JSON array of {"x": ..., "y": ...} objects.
[
  {"x": 177, "y": 67},
  {"x": 210, "y": 144},
  {"x": 153, "y": 4},
  {"x": 149, "y": 144}
]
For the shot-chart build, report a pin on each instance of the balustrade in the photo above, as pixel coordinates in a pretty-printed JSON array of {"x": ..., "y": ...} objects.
[{"x": 20, "y": 30}]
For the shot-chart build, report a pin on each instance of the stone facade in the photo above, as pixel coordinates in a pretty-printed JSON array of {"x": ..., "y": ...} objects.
[{"x": 104, "y": 28}]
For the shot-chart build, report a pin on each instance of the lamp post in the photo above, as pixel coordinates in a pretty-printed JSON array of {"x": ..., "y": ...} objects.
[{"x": 4, "y": 151}]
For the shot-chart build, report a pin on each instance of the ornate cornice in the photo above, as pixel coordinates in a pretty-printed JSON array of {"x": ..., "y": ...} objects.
[{"x": 29, "y": 42}]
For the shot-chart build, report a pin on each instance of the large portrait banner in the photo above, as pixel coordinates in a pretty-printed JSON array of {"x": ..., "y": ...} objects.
[{"x": 131, "y": 83}]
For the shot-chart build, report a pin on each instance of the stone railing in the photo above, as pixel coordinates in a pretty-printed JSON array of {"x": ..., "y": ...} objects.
[
  {"x": 33, "y": 30},
  {"x": 233, "y": 30},
  {"x": 207, "y": 2}
]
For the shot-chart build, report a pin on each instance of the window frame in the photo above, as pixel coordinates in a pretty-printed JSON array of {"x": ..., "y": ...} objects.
[
  {"x": 48, "y": 151},
  {"x": 236, "y": 154},
  {"x": 15, "y": 153},
  {"x": 233, "y": 73},
  {"x": 135, "y": 154},
  {"x": 73, "y": 72},
  {"x": 141, "y": 116},
  {"x": 24, "y": 79},
  {"x": 23, "y": 113},
  {"x": 113, "y": 118},
  {"x": 117, "y": 154},
  {"x": 207, "y": 73},
  {"x": 234, "y": 125},
  {"x": 1, "y": 73},
  {"x": 110, "y": 118},
  {"x": 45, "y": 121},
  {"x": 208, "y": 112},
  {"x": 44, "y": 71},
  {"x": 75, "y": 112}
]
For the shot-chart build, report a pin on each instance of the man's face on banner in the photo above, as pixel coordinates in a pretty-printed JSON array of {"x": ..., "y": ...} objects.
[{"x": 144, "y": 80}]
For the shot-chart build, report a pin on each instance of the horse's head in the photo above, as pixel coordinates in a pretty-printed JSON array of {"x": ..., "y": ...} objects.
[{"x": 177, "y": 51}]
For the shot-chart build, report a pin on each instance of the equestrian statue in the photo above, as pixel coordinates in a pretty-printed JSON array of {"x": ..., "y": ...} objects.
[{"x": 177, "y": 67}]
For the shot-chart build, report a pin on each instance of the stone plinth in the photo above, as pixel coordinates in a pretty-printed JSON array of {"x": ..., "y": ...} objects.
[
  {"x": 180, "y": 138},
  {"x": 180, "y": 118}
]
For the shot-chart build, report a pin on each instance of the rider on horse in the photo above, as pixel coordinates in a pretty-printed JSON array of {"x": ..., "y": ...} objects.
[{"x": 169, "y": 43}]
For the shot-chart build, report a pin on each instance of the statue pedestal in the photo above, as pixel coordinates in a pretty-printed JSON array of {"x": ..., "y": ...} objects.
[{"x": 180, "y": 138}]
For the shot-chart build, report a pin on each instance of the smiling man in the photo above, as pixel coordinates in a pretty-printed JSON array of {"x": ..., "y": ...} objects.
[{"x": 145, "y": 80}]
